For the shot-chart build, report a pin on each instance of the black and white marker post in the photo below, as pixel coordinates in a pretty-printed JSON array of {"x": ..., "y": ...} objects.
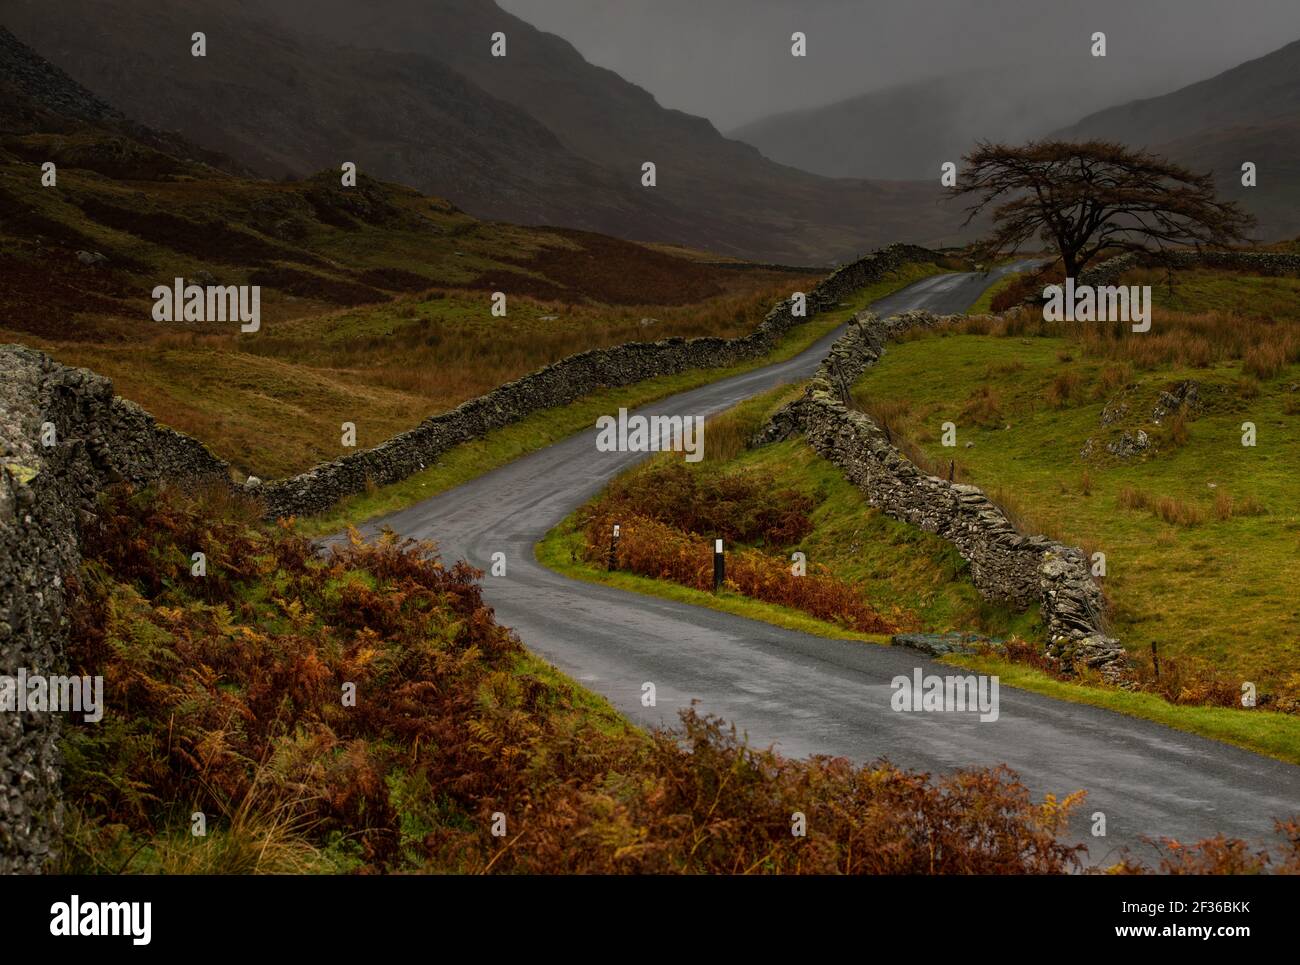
[
  {"x": 719, "y": 565},
  {"x": 613, "y": 547}
]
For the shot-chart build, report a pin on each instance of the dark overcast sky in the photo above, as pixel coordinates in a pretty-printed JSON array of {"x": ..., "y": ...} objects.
[{"x": 729, "y": 60}]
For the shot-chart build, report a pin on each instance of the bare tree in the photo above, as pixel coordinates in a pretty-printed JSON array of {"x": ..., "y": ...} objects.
[{"x": 1085, "y": 198}]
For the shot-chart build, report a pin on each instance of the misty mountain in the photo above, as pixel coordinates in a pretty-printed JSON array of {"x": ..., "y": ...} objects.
[
  {"x": 1260, "y": 90},
  {"x": 908, "y": 131},
  {"x": 731, "y": 189},
  {"x": 410, "y": 92},
  {"x": 1249, "y": 113}
]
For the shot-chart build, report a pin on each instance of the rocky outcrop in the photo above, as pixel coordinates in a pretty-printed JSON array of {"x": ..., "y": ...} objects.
[
  {"x": 559, "y": 384},
  {"x": 1129, "y": 444},
  {"x": 1005, "y": 566},
  {"x": 1137, "y": 405},
  {"x": 1183, "y": 397},
  {"x": 45, "y": 493}
]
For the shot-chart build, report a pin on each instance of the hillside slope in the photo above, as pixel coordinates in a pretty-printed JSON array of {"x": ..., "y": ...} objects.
[
  {"x": 37, "y": 96},
  {"x": 374, "y": 299},
  {"x": 284, "y": 104},
  {"x": 1260, "y": 90},
  {"x": 537, "y": 137}
]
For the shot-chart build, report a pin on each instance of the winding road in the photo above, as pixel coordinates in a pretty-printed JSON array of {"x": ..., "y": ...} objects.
[{"x": 810, "y": 695}]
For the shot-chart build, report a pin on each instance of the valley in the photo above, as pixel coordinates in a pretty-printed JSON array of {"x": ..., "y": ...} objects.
[{"x": 438, "y": 438}]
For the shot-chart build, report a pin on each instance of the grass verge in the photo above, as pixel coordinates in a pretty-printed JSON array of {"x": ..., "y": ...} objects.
[
  {"x": 984, "y": 304},
  {"x": 559, "y": 551},
  {"x": 1264, "y": 732}
]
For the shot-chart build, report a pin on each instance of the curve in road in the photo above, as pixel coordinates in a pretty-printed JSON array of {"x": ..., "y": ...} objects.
[{"x": 810, "y": 695}]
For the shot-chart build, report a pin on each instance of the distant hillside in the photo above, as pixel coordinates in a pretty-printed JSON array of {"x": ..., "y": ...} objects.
[
  {"x": 540, "y": 136},
  {"x": 1261, "y": 90},
  {"x": 153, "y": 204},
  {"x": 742, "y": 202},
  {"x": 907, "y": 131},
  {"x": 1248, "y": 113}
]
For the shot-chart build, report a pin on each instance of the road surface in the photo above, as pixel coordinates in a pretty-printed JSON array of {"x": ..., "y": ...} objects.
[{"x": 810, "y": 695}]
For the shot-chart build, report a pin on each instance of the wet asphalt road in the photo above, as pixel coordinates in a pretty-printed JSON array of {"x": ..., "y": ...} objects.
[{"x": 809, "y": 695}]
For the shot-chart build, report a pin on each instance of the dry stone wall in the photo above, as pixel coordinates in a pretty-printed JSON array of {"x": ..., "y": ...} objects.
[
  {"x": 1258, "y": 262},
  {"x": 45, "y": 494},
  {"x": 559, "y": 384},
  {"x": 1005, "y": 566}
]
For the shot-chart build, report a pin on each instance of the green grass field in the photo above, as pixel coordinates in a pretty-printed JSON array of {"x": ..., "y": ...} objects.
[
  {"x": 913, "y": 576},
  {"x": 1220, "y": 589}
]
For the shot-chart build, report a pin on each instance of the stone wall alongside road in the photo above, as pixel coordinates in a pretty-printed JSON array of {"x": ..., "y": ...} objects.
[
  {"x": 1005, "y": 565},
  {"x": 45, "y": 494},
  {"x": 1257, "y": 262},
  {"x": 559, "y": 384}
]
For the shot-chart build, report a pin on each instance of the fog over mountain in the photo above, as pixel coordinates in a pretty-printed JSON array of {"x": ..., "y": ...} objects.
[
  {"x": 908, "y": 130},
  {"x": 559, "y": 130},
  {"x": 729, "y": 60},
  {"x": 410, "y": 91},
  {"x": 891, "y": 91}
]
